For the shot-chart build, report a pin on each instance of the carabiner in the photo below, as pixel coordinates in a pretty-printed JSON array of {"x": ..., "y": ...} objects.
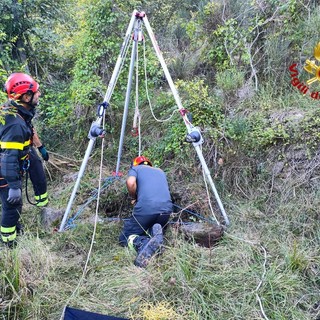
[{"x": 26, "y": 164}]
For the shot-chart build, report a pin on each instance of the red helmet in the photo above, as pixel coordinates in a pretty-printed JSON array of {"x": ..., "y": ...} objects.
[
  {"x": 20, "y": 83},
  {"x": 140, "y": 160}
]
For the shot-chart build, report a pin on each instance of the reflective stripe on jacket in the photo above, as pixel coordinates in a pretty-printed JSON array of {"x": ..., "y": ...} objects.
[{"x": 15, "y": 140}]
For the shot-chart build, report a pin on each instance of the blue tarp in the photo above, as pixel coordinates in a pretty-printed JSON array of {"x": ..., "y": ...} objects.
[{"x": 76, "y": 314}]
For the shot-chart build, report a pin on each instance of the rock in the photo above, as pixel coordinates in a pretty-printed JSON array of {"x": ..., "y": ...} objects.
[
  {"x": 278, "y": 167},
  {"x": 204, "y": 234},
  {"x": 51, "y": 218},
  {"x": 92, "y": 219},
  {"x": 71, "y": 177}
]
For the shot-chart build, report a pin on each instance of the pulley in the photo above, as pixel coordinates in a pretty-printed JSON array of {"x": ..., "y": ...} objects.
[{"x": 194, "y": 136}]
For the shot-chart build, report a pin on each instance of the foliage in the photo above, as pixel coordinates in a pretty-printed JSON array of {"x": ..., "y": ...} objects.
[
  {"x": 214, "y": 50},
  {"x": 34, "y": 40},
  {"x": 161, "y": 310},
  {"x": 185, "y": 282},
  {"x": 203, "y": 110},
  {"x": 256, "y": 132},
  {"x": 55, "y": 116},
  {"x": 28, "y": 30},
  {"x": 3, "y": 78},
  {"x": 230, "y": 80}
]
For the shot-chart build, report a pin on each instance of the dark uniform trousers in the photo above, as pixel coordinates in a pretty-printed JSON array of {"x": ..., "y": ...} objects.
[
  {"x": 12, "y": 213},
  {"x": 141, "y": 225},
  {"x": 15, "y": 139},
  {"x": 38, "y": 178}
]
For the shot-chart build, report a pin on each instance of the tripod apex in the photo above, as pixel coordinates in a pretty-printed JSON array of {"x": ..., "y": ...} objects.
[{"x": 141, "y": 14}]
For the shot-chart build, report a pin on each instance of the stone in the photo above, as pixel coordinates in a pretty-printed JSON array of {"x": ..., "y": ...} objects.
[
  {"x": 50, "y": 218},
  {"x": 204, "y": 234}
]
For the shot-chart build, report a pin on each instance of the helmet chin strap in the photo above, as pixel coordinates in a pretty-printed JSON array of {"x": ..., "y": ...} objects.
[{"x": 32, "y": 105}]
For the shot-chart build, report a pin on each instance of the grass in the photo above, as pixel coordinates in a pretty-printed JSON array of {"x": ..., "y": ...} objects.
[
  {"x": 186, "y": 282},
  {"x": 267, "y": 266}
]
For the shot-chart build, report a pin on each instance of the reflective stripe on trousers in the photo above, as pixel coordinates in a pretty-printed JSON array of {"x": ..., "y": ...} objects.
[{"x": 8, "y": 234}]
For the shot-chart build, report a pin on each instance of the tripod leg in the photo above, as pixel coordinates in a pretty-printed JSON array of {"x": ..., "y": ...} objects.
[
  {"x": 183, "y": 113},
  {"x": 107, "y": 97},
  {"x": 127, "y": 100},
  {"x": 121, "y": 57}
]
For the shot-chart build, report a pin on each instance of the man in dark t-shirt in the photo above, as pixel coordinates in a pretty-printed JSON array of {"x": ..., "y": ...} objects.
[{"x": 149, "y": 192}]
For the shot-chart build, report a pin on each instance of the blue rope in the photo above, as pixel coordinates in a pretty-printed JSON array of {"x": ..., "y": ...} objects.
[
  {"x": 169, "y": 222},
  {"x": 107, "y": 182}
]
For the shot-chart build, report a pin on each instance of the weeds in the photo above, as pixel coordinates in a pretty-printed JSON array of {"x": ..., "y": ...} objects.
[{"x": 187, "y": 281}]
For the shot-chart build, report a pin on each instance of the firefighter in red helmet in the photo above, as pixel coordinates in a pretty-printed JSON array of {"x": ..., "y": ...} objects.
[
  {"x": 16, "y": 132},
  {"x": 149, "y": 190}
]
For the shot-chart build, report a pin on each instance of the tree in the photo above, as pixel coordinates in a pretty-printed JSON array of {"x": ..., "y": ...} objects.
[{"x": 28, "y": 33}]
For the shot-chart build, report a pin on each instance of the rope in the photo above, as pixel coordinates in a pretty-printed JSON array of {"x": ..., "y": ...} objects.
[
  {"x": 209, "y": 200},
  {"x": 194, "y": 214},
  {"x": 122, "y": 63},
  {"x": 27, "y": 195},
  {"x": 137, "y": 113},
  {"x": 70, "y": 224},
  {"x": 169, "y": 222},
  {"x": 94, "y": 228},
  {"x": 147, "y": 90},
  {"x": 107, "y": 182}
]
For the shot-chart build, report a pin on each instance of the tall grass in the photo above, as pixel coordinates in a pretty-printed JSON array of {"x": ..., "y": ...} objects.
[
  {"x": 267, "y": 265},
  {"x": 260, "y": 258}
]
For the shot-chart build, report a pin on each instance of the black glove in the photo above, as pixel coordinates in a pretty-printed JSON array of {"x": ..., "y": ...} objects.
[
  {"x": 14, "y": 196},
  {"x": 44, "y": 153}
]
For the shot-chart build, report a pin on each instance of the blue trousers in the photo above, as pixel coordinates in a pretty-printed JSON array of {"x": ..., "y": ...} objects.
[{"x": 140, "y": 225}]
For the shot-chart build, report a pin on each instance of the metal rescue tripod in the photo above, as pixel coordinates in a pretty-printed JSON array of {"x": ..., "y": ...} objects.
[{"x": 194, "y": 134}]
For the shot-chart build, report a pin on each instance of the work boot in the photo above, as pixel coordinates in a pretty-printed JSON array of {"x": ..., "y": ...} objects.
[
  {"x": 157, "y": 231},
  {"x": 9, "y": 244},
  {"x": 151, "y": 247},
  {"x": 19, "y": 229},
  {"x": 9, "y": 236}
]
